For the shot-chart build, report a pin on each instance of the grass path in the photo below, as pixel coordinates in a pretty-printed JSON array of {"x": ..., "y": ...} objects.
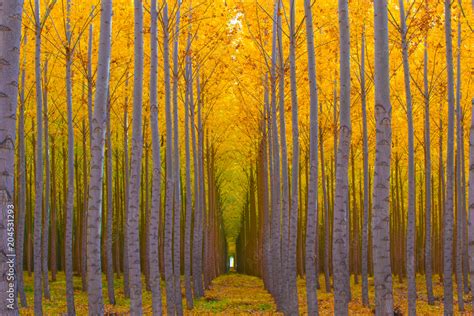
[
  {"x": 237, "y": 294},
  {"x": 229, "y": 294}
]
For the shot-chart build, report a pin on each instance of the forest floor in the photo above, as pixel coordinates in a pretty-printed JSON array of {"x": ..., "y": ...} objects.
[{"x": 237, "y": 294}]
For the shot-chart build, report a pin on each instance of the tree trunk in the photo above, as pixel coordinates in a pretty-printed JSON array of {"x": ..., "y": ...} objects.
[
  {"x": 189, "y": 102},
  {"x": 411, "y": 227},
  {"x": 198, "y": 215},
  {"x": 325, "y": 186},
  {"x": 381, "y": 191},
  {"x": 168, "y": 234},
  {"x": 365, "y": 223},
  {"x": 285, "y": 205},
  {"x": 176, "y": 172},
  {"x": 293, "y": 221},
  {"x": 341, "y": 207},
  {"x": 428, "y": 195},
  {"x": 471, "y": 200},
  {"x": 154, "y": 232},
  {"x": 39, "y": 169},
  {"x": 110, "y": 218},
  {"x": 70, "y": 178},
  {"x": 312, "y": 209},
  {"x": 47, "y": 189},
  {"x": 448, "y": 211},
  {"x": 460, "y": 194},
  {"x": 135, "y": 169},
  {"x": 94, "y": 213},
  {"x": 21, "y": 185},
  {"x": 275, "y": 183}
]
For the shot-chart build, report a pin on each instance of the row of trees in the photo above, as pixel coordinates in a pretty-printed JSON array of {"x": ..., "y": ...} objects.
[
  {"x": 284, "y": 232},
  {"x": 103, "y": 203}
]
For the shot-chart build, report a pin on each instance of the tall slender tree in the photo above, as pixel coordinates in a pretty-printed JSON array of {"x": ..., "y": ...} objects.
[
  {"x": 365, "y": 222},
  {"x": 293, "y": 221},
  {"x": 411, "y": 225},
  {"x": 176, "y": 171},
  {"x": 448, "y": 216},
  {"x": 47, "y": 184},
  {"x": 341, "y": 205},
  {"x": 381, "y": 190},
  {"x": 70, "y": 172},
  {"x": 312, "y": 208},
  {"x": 428, "y": 197},
  {"x": 153, "y": 232},
  {"x": 19, "y": 245},
  {"x": 189, "y": 102},
  {"x": 459, "y": 190},
  {"x": 168, "y": 224},
  {"x": 10, "y": 39},
  {"x": 471, "y": 199},
  {"x": 275, "y": 183},
  {"x": 135, "y": 169},
  {"x": 94, "y": 213},
  {"x": 110, "y": 215},
  {"x": 39, "y": 166}
]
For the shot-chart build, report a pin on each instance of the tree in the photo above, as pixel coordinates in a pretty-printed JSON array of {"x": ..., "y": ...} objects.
[
  {"x": 293, "y": 221},
  {"x": 70, "y": 172},
  {"x": 381, "y": 191},
  {"x": 341, "y": 204},
  {"x": 22, "y": 186},
  {"x": 176, "y": 171},
  {"x": 169, "y": 189},
  {"x": 110, "y": 216},
  {"x": 153, "y": 233},
  {"x": 365, "y": 223},
  {"x": 11, "y": 17},
  {"x": 471, "y": 199},
  {"x": 94, "y": 213},
  {"x": 427, "y": 139},
  {"x": 47, "y": 189},
  {"x": 459, "y": 190},
  {"x": 135, "y": 169},
  {"x": 312, "y": 208},
  {"x": 275, "y": 182},
  {"x": 189, "y": 102},
  {"x": 39, "y": 166},
  {"x": 448, "y": 210},
  {"x": 411, "y": 225}
]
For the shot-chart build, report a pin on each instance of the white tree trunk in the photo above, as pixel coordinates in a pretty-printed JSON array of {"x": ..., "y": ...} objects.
[
  {"x": 459, "y": 191},
  {"x": 312, "y": 208},
  {"x": 21, "y": 187},
  {"x": 70, "y": 174},
  {"x": 293, "y": 221},
  {"x": 411, "y": 225},
  {"x": 448, "y": 211},
  {"x": 471, "y": 199},
  {"x": 110, "y": 216},
  {"x": 275, "y": 181},
  {"x": 381, "y": 191},
  {"x": 10, "y": 37},
  {"x": 154, "y": 233},
  {"x": 47, "y": 189},
  {"x": 189, "y": 102},
  {"x": 176, "y": 171},
  {"x": 168, "y": 224},
  {"x": 365, "y": 224},
  {"x": 341, "y": 206},
  {"x": 427, "y": 139},
  {"x": 135, "y": 169},
  {"x": 94, "y": 213},
  {"x": 39, "y": 168}
]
